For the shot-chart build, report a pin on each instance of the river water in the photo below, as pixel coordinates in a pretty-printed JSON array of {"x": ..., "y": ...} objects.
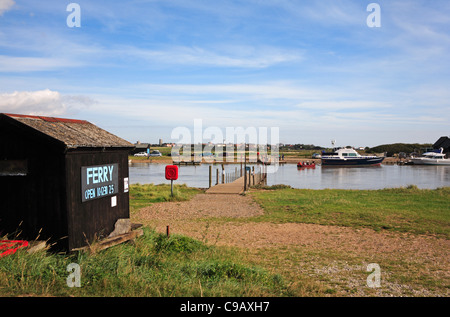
[{"x": 384, "y": 176}]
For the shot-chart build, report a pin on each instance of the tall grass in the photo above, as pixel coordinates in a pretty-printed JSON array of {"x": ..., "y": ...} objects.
[{"x": 154, "y": 265}]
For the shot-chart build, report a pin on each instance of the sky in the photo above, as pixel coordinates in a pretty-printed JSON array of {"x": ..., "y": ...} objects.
[{"x": 315, "y": 70}]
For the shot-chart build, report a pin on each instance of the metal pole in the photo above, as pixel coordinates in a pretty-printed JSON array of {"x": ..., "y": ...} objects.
[{"x": 171, "y": 187}]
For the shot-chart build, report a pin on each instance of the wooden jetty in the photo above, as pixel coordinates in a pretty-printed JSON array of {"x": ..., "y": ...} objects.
[
  {"x": 187, "y": 163},
  {"x": 235, "y": 187},
  {"x": 234, "y": 183}
]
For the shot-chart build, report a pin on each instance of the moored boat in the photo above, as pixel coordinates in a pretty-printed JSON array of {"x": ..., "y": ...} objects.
[
  {"x": 436, "y": 157},
  {"x": 306, "y": 165},
  {"x": 349, "y": 157}
]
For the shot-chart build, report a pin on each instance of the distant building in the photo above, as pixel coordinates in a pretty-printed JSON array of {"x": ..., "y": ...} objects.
[
  {"x": 160, "y": 142},
  {"x": 140, "y": 147}
]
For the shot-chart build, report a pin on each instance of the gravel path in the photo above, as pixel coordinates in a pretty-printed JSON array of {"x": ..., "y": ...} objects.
[{"x": 214, "y": 219}]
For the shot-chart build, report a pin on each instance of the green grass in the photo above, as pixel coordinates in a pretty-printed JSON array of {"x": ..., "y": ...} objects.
[
  {"x": 413, "y": 210},
  {"x": 154, "y": 265},
  {"x": 145, "y": 195},
  {"x": 298, "y": 153},
  {"x": 157, "y": 265}
]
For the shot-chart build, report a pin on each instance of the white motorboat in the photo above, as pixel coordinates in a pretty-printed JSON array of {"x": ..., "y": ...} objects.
[
  {"x": 436, "y": 157},
  {"x": 349, "y": 157}
]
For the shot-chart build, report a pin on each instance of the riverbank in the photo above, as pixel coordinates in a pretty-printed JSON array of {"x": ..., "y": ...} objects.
[
  {"x": 287, "y": 159},
  {"x": 322, "y": 241},
  {"x": 270, "y": 242}
]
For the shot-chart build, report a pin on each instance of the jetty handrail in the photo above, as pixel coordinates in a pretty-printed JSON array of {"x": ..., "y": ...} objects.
[{"x": 253, "y": 177}]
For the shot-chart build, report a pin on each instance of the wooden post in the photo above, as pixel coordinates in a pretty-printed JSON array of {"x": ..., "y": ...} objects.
[
  {"x": 223, "y": 174},
  {"x": 245, "y": 171},
  {"x": 217, "y": 176},
  {"x": 210, "y": 175},
  {"x": 253, "y": 175},
  {"x": 265, "y": 175},
  {"x": 245, "y": 180}
]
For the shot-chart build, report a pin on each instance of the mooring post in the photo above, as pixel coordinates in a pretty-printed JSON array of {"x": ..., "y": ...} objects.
[
  {"x": 245, "y": 180},
  {"x": 253, "y": 175},
  {"x": 223, "y": 174},
  {"x": 245, "y": 171},
  {"x": 210, "y": 175},
  {"x": 265, "y": 175}
]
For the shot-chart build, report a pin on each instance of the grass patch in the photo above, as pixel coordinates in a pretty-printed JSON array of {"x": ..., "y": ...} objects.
[
  {"x": 419, "y": 211},
  {"x": 154, "y": 265},
  {"x": 144, "y": 195},
  {"x": 272, "y": 187}
]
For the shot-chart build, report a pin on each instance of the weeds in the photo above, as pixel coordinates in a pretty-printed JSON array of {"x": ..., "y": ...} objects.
[{"x": 155, "y": 265}]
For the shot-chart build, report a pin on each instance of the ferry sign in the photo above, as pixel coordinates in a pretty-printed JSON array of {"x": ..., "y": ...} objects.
[{"x": 99, "y": 181}]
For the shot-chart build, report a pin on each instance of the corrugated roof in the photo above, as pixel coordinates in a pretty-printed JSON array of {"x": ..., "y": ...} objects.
[{"x": 73, "y": 133}]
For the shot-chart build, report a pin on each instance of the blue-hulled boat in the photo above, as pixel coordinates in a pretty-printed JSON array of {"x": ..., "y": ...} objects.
[{"x": 349, "y": 157}]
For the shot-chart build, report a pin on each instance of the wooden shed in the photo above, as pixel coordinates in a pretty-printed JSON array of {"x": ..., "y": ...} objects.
[
  {"x": 443, "y": 142},
  {"x": 61, "y": 179}
]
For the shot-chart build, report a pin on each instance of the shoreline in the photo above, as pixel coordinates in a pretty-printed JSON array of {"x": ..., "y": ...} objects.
[{"x": 288, "y": 160}]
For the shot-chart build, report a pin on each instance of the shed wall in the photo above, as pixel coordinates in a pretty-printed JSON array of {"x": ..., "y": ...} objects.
[
  {"x": 32, "y": 205},
  {"x": 95, "y": 218}
]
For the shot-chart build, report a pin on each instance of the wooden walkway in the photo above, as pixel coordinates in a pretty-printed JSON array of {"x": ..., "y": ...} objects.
[{"x": 236, "y": 187}]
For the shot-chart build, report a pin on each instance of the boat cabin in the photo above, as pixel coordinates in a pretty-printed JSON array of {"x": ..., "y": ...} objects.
[{"x": 343, "y": 152}]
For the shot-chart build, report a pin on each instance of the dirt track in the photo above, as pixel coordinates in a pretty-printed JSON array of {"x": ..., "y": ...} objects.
[{"x": 219, "y": 226}]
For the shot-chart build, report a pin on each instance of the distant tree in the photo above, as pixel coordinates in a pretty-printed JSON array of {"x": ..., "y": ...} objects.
[{"x": 396, "y": 148}]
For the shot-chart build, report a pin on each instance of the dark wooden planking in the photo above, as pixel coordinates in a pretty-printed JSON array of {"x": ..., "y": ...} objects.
[
  {"x": 47, "y": 201},
  {"x": 34, "y": 203},
  {"x": 94, "y": 218}
]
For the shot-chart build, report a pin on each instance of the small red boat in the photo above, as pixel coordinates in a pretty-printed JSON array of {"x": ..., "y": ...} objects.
[{"x": 306, "y": 165}]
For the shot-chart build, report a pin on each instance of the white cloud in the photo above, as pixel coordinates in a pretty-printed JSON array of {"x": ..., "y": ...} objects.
[
  {"x": 231, "y": 56},
  {"x": 42, "y": 102},
  {"x": 5, "y": 5},
  {"x": 269, "y": 90},
  {"x": 34, "y": 64}
]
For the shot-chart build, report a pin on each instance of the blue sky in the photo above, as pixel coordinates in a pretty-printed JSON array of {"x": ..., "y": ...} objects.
[{"x": 314, "y": 69}]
